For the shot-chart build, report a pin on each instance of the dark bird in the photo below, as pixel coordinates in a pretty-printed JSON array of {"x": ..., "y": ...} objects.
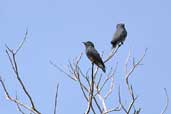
[
  {"x": 119, "y": 36},
  {"x": 93, "y": 55}
]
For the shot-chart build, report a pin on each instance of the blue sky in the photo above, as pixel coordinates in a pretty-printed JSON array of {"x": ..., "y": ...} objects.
[{"x": 56, "y": 29}]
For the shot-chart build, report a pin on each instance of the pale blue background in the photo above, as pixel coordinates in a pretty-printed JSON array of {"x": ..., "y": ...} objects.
[{"x": 56, "y": 30}]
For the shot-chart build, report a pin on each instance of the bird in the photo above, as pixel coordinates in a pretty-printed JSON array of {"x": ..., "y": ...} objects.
[
  {"x": 119, "y": 35},
  {"x": 93, "y": 55}
]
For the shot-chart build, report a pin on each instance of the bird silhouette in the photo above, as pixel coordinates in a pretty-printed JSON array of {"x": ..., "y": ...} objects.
[
  {"x": 93, "y": 55},
  {"x": 119, "y": 36}
]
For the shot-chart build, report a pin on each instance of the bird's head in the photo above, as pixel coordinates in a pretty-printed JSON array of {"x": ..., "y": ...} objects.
[
  {"x": 88, "y": 43},
  {"x": 120, "y": 25}
]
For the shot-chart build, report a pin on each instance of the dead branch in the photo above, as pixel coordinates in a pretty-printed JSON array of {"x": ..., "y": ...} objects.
[
  {"x": 91, "y": 91},
  {"x": 120, "y": 101},
  {"x": 127, "y": 76},
  {"x": 105, "y": 109},
  {"x": 56, "y": 98},
  {"x": 18, "y": 106},
  {"x": 61, "y": 70},
  {"x": 112, "y": 53},
  {"x": 167, "y": 101},
  {"x": 128, "y": 73},
  {"x": 113, "y": 110},
  {"x": 12, "y": 58},
  {"x": 134, "y": 65},
  {"x": 75, "y": 72},
  {"x": 110, "y": 88},
  {"x": 15, "y": 69},
  {"x": 22, "y": 43},
  {"x": 17, "y": 102}
]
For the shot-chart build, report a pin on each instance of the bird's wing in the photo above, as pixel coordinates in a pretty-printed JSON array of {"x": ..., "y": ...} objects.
[{"x": 94, "y": 56}]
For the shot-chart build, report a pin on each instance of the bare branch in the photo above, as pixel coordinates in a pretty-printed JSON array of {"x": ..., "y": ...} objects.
[
  {"x": 61, "y": 70},
  {"x": 11, "y": 61},
  {"x": 18, "y": 106},
  {"x": 21, "y": 83},
  {"x": 113, "y": 52},
  {"x": 56, "y": 98},
  {"x": 3, "y": 86},
  {"x": 12, "y": 58},
  {"x": 167, "y": 101},
  {"x": 110, "y": 89},
  {"x": 120, "y": 101},
  {"x": 137, "y": 111},
  {"x": 104, "y": 83},
  {"x": 128, "y": 74},
  {"x": 17, "y": 102},
  {"x": 135, "y": 65},
  {"x": 83, "y": 88},
  {"x": 103, "y": 102},
  {"x": 112, "y": 83},
  {"x": 98, "y": 83},
  {"x": 113, "y": 110},
  {"x": 91, "y": 91},
  {"x": 21, "y": 44},
  {"x": 87, "y": 88},
  {"x": 19, "y": 109},
  {"x": 127, "y": 111},
  {"x": 126, "y": 62},
  {"x": 98, "y": 106},
  {"x": 131, "y": 105}
]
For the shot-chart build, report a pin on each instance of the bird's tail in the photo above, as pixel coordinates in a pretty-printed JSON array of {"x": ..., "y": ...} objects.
[
  {"x": 104, "y": 70},
  {"x": 102, "y": 66}
]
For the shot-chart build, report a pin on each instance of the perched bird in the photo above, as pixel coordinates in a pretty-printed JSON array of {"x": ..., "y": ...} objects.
[
  {"x": 93, "y": 55},
  {"x": 119, "y": 36}
]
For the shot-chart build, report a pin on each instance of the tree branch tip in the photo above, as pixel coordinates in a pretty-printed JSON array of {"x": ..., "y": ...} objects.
[
  {"x": 8, "y": 49},
  {"x": 26, "y": 33},
  {"x": 146, "y": 49}
]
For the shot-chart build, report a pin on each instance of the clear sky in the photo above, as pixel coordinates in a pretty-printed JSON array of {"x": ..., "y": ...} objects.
[{"x": 56, "y": 29}]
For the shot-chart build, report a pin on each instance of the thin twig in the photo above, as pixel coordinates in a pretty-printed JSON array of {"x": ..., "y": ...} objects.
[
  {"x": 110, "y": 88},
  {"x": 126, "y": 62},
  {"x": 18, "y": 107},
  {"x": 135, "y": 65},
  {"x": 104, "y": 83},
  {"x": 167, "y": 101},
  {"x": 120, "y": 101},
  {"x": 102, "y": 101},
  {"x": 112, "y": 83},
  {"x": 98, "y": 106},
  {"x": 91, "y": 91},
  {"x": 113, "y": 110},
  {"x": 21, "y": 44},
  {"x": 56, "y": 98},
  {"x": 131, "y": 105},
  {"x": 61, "y": 70},
  {"x": 83, "y": 88},
  {"x": 113, "y": 52}
]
